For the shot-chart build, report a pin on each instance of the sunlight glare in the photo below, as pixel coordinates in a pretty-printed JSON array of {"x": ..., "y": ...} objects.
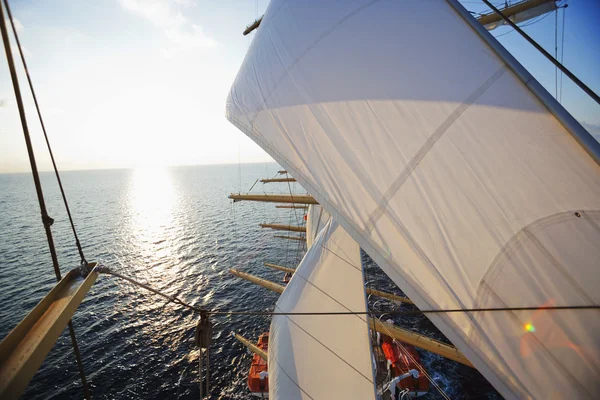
[{"x": 151, "y": 201}]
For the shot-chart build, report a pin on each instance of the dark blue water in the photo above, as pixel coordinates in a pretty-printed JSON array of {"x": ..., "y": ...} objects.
[{"x": 176, "y": 230}]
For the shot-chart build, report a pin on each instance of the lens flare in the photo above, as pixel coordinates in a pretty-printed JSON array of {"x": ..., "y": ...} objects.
[{"x": 529, "y": 328}]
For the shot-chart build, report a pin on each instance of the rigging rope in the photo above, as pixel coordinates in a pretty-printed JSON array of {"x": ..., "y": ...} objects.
[
  {"x": 562, "y": 49},
  {"x": 533, "y": 21},
  {"x": 576, "y": 80},
  {"x": 418, "y": 364},
  {"x": 369, "y": 309},
  {"x": 177, "y": 300},
  {"x": 46, "y": 220},
  {"x": 556, "y": 53},
  {"x": 37, "y": 107}
]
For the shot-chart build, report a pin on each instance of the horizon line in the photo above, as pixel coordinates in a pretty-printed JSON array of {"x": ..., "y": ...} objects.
[{"x": 134, "y": 168}]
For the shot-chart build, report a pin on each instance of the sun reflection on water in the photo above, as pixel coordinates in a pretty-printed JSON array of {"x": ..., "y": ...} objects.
[{"x": 152, "y": 200}]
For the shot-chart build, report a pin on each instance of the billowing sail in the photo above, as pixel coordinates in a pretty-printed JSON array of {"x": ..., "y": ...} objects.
[
  {"x": 316, "y": 219},
  {"x": 323, "y": 356},
  {"x": 423, "y": 144}
]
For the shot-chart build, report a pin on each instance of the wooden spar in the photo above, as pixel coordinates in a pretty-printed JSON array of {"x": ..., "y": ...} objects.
[
  {"x": 293, "y": 206},
  {"x": 252, "y": 26},
  {"x": 282, "y": 172},
  {"x": 275, "y": 180},
  {"x": 280, "y": 268},
  {"x": 391, "y": 330},
  {"x": 251, "y": 346},
  {"x": 298, "y": 238},
  {"x": 275, "y": 198},
  {"x": 259, "y": 281},
  {"x": 290, "y": 228},
  {"x": 510, "y": 11},
  {"x": 389, "y": 296},
  {"x": 378, "y": 293},
  {"x": 26, "y": 346},
  {"x": 420, "y": 341}
]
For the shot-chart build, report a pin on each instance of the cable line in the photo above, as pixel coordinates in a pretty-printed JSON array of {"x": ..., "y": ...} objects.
[
  {"x": 562, "y": 50},
  {"x": 554, "y": 61},
  {"x": 37, "y": 107},
  {"x": 105, "y": 270},
  {"x": 556, "y": 53},
  {"x": 46, "y": 220}
]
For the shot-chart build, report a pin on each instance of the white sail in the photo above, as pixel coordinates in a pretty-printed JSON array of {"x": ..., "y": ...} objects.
[
  {"x": 316, "y": 220},
  {"x": 417, "y": 138},
  {"x": 323, "y": 356}
]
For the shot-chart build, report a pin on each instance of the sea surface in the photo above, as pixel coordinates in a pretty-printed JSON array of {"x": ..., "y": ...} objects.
[{"x": 176, "y": 230}]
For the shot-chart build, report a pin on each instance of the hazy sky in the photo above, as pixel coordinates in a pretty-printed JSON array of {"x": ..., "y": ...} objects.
[{"x": 129, "y": 83}]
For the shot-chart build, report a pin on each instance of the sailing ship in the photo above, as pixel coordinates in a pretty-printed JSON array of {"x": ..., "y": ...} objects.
[
  {"x": 423, "y": 142},
  {"x": 437, "y": 153}
]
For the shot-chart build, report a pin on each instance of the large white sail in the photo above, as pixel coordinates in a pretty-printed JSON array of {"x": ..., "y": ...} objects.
[
  {"x": 423, "y": 144},
  {"x": 323, "y": 356}
]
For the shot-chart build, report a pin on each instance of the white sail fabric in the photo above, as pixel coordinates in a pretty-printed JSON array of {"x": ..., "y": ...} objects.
[
  {"x": 316, "y": 220},
  {"x": 417, "y": 138},
  {"x": 323, "y": 356}
]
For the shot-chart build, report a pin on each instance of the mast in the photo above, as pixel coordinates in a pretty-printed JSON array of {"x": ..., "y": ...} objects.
[
  {"x": 298, "y": 238},
  {"x": 514, "y": 9},
  {"x": 277, "y": 180},
  {"x": 293, "y": 206},
  {"x": 389, "y": 296},
  {"x": 252, "y": 26},
  {"x": 274, "y": 198},
  {"x": 251, "y": 346},
  {"x": 275, "y": 287},
  {"x": 280, "y": 268},
  {"x": 290, "y": 228}
]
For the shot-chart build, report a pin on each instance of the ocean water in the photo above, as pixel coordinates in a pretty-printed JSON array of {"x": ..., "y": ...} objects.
[{"x": 174, "y": 229}]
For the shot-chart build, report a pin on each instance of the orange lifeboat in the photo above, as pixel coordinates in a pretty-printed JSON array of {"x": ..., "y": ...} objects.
[
  {"x": 258, "y": 380},
  {"x": 403, "y": 358}
]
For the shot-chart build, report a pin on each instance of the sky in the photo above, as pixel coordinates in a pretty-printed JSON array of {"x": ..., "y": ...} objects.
[{"x": 136, "y": 83}]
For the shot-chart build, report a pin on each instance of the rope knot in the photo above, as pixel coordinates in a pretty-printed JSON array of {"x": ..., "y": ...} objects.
[
  {"x": 47, "y": 220},
  {"x": 85, "y": 268}
]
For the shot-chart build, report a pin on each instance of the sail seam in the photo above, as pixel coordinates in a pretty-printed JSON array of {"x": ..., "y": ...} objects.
[
  {"x": 325, "y": 346},
  {"x": 389, "y": 266},
  {"x": 515, "y": 243},
  {"x": 340, "y": 257},
  {"x": 386, "y": 264},
  {"x": 427, "y": 146},
  {"x": 557, "y": 265},
  {"x": 321, "y": 290}
]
